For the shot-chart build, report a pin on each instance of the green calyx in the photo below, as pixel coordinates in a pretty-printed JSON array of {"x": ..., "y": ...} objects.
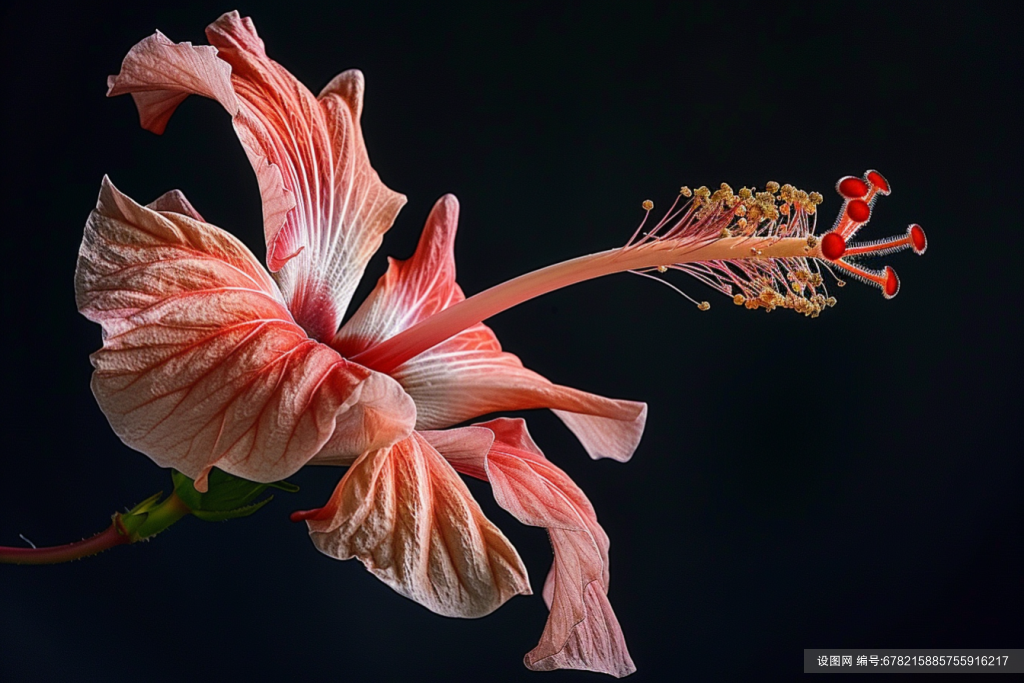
[{"x": 227, "y": 497}]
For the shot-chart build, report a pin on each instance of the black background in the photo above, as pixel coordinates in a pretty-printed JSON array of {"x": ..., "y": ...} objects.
[{"x": 849, "y": 481}]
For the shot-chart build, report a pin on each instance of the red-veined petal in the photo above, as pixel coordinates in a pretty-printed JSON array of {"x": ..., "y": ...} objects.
[
  {"x": 201, "y": 364},
  {"x": 325, "y": 210},
  {"x": 582, "y": 631},
  {"x": 468, "y": 375},
  {"x": 406, "y": 514}
]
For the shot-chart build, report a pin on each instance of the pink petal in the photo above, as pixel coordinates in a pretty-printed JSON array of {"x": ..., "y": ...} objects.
[
  {"x": 406, "y": 514},
  {"x": 201, "y": 364},
  {"x": 582, "y": 631},
  {"x": 325, "y": 210},
  {"x": 160, "y": 74},
  {"x": 468, "y": 375},
  {"x": 464, "y": 448},
  {"x": 175, "y": 202},
  {"x": 594, "y": 645}
]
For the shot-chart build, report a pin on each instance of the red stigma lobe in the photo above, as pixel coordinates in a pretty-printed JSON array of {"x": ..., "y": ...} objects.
[
  {"x": 833, "y": 246},
  {"x": 858, "y": 211},
  {"x": 878, "y": 181},
  {"x": 917, "y": 238},
  {"x": 852, "y": 188},
  {"x": 892, "y": 283}
]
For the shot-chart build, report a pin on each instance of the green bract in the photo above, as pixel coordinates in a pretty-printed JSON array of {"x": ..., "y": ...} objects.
[{"x": 228, "y": 497}]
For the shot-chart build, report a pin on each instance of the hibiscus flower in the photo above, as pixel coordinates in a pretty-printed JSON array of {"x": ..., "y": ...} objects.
[{"x": 209, "y": 360}]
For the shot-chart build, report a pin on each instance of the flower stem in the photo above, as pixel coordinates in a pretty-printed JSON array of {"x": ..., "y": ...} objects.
[
  {"x": 142, "y": 522},
  {"x": 104, "y": 540}
]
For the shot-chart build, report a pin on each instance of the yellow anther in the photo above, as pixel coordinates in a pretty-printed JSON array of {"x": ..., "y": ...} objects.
[
  {"x": 815, "y": 279},
  {"x": 685, "y": 191},
  {"x": 812, "y": 241},
  {"x": 725, "y": 233},
  {"x": 662, "y": 269},
  {"x": 840, "y": 283},
  {"x": 831, "y": 301},
  {"x": 765, "y": 203},
  {"x": 703, "y": 305},
  {"x": 739, "y": 299},
  {"x": 772, "y": 187},
  {"x": 648, "y": 205},
  {"x": 724, "y": 195}
]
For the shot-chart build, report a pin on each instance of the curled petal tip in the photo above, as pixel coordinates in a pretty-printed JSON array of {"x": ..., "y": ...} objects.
[
  {"x": 303, "y": 515},
  {"x": 202, "y": 482},
  {"x": 615, "y": 434},
  {"x": 350, "y": 86}
]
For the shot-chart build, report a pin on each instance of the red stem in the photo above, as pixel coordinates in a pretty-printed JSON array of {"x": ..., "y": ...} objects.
[{"x": 115, "y": 535}]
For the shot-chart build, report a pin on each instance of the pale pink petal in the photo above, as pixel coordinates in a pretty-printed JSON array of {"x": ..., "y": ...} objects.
[
  {"x": 370, "y": 424},
  {"x": 160, "y": 74},
  {"x": 325, "y": 210},
  {"x": 175, "y": 202},
  {"x": 582, "y": 631},
  {"x": 410, "y": 290},
  {"x": 465, "y": 448},
  {"x": 201, "y": 364},
  {"x": 596, "y": 644},
  {"x": 406, "y": 514},
  {"x": 468, "y": 375},
  {"x": 462, "y": 378}
]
